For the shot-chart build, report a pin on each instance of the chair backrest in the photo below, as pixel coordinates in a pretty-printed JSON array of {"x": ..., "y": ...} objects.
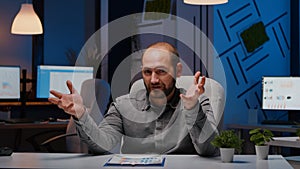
[
  {"x": 213, "y": 90},
  {"x": 96, "y": 95}
]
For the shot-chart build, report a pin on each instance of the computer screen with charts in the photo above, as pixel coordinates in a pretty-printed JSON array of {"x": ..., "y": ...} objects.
[
  {"x": 10, "y": 82},
  {"x": 281, "y": 93},
  {"x": 54, "y": 78}
]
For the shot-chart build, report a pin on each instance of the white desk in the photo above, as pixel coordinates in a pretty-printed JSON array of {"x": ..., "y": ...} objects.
[
  {"x": 285, "y": 142},
  {"x": 243, "y": 132},
  {"x": 274, "y": 128},
  {"x": 54, "y": 160}
]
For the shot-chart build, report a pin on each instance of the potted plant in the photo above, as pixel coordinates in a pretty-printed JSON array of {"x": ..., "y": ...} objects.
[
  {"x": 228, "y": 142},
  {"x": 260, "y": 137}
]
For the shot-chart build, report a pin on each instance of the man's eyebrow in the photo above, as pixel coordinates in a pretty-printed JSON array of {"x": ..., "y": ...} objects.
[{"x": 157, "y": 67}]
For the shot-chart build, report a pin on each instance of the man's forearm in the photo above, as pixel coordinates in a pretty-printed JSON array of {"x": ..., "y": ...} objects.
[
  {"x": 202, "y": 128},
  {"x": 100, "y": 139}
]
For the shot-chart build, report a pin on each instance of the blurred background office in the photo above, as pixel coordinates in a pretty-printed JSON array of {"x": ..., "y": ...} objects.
[{"x": 68, "y": 24}]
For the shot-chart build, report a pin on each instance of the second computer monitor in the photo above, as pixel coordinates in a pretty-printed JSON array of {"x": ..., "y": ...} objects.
[
  {"x": 281, "y": 93},
  {"x": 54, "y": 78},
  {"x": 9, "y": 82}
]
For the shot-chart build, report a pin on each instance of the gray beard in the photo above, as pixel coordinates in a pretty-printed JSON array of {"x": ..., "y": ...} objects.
[{"x": 166, "y": 92}]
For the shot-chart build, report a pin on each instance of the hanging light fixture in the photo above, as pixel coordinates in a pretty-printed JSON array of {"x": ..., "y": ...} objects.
[
  {"x": 26, "y": 21},
  {"x": 205, "y": 2}
]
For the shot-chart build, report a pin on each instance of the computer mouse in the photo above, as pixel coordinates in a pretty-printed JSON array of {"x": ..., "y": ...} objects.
[{"x": 5, "y": 151}]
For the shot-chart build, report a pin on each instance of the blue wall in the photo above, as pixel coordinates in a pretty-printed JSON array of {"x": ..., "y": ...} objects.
[
  {"x": 64, "y": 29},
  {"x": 244, "y": 70}
]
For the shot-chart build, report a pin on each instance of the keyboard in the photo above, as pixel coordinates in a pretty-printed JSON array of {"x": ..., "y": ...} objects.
[
  {"x": 279, "y": 122},
  {"x": 5, "y": 151}
]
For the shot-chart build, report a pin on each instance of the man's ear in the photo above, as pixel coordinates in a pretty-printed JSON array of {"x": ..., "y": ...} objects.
[{"x": 178, "y": 70}]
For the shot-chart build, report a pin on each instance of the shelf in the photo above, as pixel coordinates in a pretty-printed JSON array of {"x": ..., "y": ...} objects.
[{"x": 45, "y": 103}]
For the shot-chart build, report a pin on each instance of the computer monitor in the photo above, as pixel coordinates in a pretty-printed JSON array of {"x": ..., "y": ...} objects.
[
  {"x": 10, "y": 82},
  {"x": 281, "y": 93},
  {"x": 51, "y": 77}
]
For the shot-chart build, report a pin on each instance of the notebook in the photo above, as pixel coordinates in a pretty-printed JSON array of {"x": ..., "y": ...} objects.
[{"x": 135, "y": 160}]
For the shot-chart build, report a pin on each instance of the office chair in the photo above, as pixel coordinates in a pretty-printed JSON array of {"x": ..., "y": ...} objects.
[
  {"x": 96, "y": 95},
  {"x": 213, "y": 90}
]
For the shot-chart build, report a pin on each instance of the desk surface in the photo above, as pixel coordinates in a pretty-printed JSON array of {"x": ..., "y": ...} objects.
[
  {"x": 54, "y": 160},
  {"x": 51, "y": 125},
  {"x": 285, "y": 142},
  {"x": 26, "y": 103}
]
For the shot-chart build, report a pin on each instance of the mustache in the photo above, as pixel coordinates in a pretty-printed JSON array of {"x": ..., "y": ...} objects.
[{"x": 156, "y": 85}]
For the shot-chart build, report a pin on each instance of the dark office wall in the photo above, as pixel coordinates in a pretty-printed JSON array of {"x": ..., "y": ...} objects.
[
  {"x": 64, "y": 30},
  {"x": 123, "y": 49},
  {"x": 66, "y": 26},
  {"x": 295, "y": 60},
  {"x": 244, "y": 70},
  {"x": 14, "y": 49}
]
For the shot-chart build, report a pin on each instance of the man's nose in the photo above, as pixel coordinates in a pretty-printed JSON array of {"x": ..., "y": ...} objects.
[{"x": 154, "y": 78}]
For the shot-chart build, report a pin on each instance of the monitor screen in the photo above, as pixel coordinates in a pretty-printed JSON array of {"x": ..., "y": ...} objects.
[
  {"x": 281, "y": 93},
  {"x": 10, "y": 82},
  {"x": 55, "y": 77}
]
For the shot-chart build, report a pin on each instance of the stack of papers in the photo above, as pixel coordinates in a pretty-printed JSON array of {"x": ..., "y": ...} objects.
[{"x": 136, "y": 160}]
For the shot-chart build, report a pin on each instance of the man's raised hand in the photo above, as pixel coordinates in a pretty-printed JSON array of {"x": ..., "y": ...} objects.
[
  {"x": 71, "y": 103},
  {"x": 190, "y": 99}
]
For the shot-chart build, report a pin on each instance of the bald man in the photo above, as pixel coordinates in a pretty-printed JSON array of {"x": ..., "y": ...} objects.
[{"x": 161, "y": 118}]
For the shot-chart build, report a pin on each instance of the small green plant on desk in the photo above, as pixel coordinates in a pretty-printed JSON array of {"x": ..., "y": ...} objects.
[
  {"x": 228, "y": 142},
  {"x": 260, "y": 137}
]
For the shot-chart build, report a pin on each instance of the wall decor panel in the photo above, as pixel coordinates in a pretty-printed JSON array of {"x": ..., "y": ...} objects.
[{"x": 244, "y": 70}]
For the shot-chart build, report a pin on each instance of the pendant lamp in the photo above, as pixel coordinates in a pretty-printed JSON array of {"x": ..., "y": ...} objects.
[
  {"x": 26, "y": 21},
  {"x": 205, "y": 2}
]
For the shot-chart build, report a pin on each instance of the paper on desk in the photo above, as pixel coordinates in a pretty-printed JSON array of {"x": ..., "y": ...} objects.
[{"x": 136, "y": 159}]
